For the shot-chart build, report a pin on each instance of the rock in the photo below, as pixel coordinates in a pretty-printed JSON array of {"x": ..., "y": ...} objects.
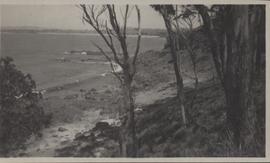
[
  {"x": 88, "y": 96},
  {"x": 68, "y": 150},
  {"x": 108, "y": 91},
  {"x": 64, "y": 142},
  {"x": 86, "y": 136},
  {"x": 82, "y": 90},
  {"x": 97, "y": 133},
  {"x": 88, "y": 144},
  {"x": 100, "y": 139},
  {"x": 93, "y": 90},
  {"x": 83, "y": 53},
  {"x": 112, "y": 122},
  {"x": 103, "y": 74},
  {"x": 62, "y": 129},
  {"x": 104, "y": 129},
  {"x": 137, "y": 110},
  {"x": 78, "y": 135},
  {"x": 102, "y": 126},
  {"x": 23, "y": 154},
  {"x": 64, "y": 139},
  {"x": 91, "y": 94},
  {"x": 73, "y": 96}
]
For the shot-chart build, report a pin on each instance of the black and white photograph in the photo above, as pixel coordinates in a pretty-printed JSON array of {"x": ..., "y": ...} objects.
[{"x": 133, "y": 80}]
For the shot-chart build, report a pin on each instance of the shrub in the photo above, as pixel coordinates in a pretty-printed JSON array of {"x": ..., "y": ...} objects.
[{"x": 20, "y": 114}]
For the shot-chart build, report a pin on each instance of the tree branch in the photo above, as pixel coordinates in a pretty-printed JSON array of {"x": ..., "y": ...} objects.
[
  {"x": 110, "y": 60},
  {"x": 139, "y": 35},
  {"x": 93, "y": 22},
  {"x": 125, "y": 22}
]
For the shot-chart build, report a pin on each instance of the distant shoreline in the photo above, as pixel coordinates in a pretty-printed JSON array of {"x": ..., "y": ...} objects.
[
  {"x": 130, "y": 32},
  {"x": 73, "y": 33}
]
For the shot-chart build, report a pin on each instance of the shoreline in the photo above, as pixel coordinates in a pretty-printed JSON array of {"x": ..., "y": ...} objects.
[{"x": 74, "y": 33}]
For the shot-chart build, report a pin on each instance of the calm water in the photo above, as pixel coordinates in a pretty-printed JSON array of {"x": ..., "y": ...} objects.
[{"x": 37, "y": 54}]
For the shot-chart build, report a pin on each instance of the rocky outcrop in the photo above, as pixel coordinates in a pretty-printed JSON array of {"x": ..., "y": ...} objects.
[{"x": 101, "y": 141}]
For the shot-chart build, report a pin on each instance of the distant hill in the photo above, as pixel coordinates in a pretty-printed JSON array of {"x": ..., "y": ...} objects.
[{"x": 32, "y": 29}]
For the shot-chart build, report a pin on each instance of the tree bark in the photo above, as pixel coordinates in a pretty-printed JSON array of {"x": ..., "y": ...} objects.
[
  {"x": 235, "y": 70},
  {"x": 177, "y": 70},
  {"x": 214, "y": 46},
  {"x": 128, "y": 132},
  {"x": 242, "y": 49}
]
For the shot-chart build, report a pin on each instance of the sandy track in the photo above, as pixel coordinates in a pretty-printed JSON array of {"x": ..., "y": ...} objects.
[{"x": 52, "y": 138}]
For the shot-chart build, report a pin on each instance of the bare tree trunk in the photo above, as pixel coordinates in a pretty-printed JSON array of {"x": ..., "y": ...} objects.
[
  {"x": 209, "y": 28},
  {"x": 128, "y": 133},
  {"x": 179, "y": 79},
  {"x": 180, "y": 92},
  {"x": 194, "y": 65},
  {"x": 92, "y": 13}
]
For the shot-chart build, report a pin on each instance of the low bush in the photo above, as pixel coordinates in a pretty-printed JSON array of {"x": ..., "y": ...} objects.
[{"x": 20, "y": 114}]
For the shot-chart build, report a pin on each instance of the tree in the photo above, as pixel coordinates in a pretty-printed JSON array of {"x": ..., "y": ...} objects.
[
  {"x": 184, "y": 25},
  {"x": 111, "y": 31},
  {"x": 234, "y": 45},
  {"x": 20, "y": 114},
  {"x": 168, "y": 15}
]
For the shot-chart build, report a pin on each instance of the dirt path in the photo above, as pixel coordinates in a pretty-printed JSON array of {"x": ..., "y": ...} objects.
[
  {"x": 59, "y": 134},
  {"x": 159, "y": 92}
]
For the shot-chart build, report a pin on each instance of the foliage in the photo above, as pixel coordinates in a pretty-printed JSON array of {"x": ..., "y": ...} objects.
[
  {"x": 168, "y": 8},
  {"x": 20, "y": 115}
]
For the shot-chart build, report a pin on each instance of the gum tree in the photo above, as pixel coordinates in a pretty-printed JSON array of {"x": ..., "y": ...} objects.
[
  {"x": 234, "y": 37},
  {"x": 168, "y": 14},
  {"x": 105, "y": 20}
]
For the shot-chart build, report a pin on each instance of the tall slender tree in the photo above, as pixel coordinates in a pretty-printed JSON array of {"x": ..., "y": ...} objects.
[
  {"x": 113, "y": 32},
  {"x": 234, "y": 43},
  {"x": 184, "y": 22},
  {"x": 168, "y": 14}
]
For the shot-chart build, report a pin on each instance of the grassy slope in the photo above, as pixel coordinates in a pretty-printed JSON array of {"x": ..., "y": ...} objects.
[{"x": 159, "y": 126}]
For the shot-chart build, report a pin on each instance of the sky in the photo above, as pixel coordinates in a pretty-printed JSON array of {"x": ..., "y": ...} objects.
[{"x": 65, "y": 17}]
